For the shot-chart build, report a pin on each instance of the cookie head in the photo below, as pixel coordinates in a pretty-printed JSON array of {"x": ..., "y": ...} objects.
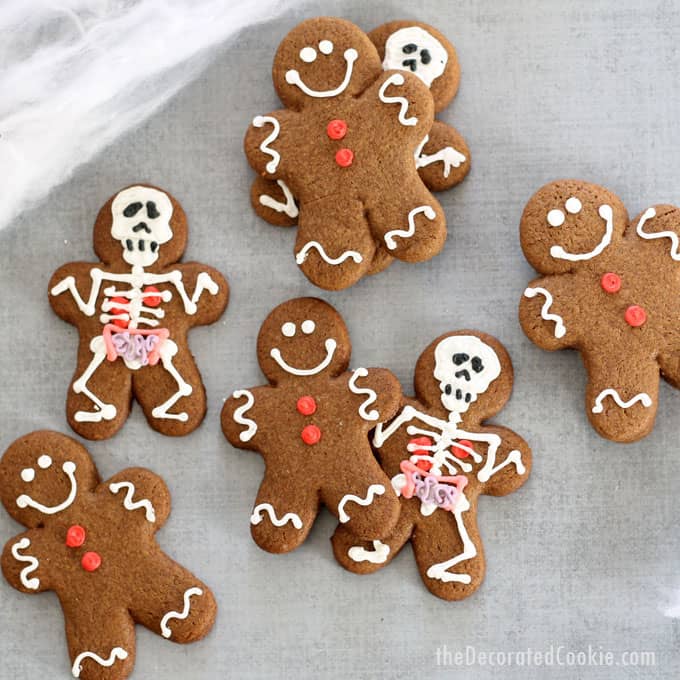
[
  {"x": 42, "y": 474},
  {"x": 422, "y": 50},
  {"x": 323, "y": 58},
  {"x": 141, "y": 225},
  {"x": 303, "y": 338},
  {"x": 464, "y": 371},
  {"x": 569, "y": 222}
]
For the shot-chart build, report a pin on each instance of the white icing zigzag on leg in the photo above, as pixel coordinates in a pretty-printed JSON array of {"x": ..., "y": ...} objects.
[
  {"x": 642, "y": 397},
  {"x": 427, "y": 210},
  {"x": 376, "y": 556},
  {"x": 165, "y": 631},
  {"x": 373, "y": 490},
  {"x": 256, "y": 517},
  {"x": 116, "y": 653}
]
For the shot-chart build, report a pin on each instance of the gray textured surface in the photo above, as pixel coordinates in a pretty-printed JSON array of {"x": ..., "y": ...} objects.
[{"x": 581, "y": 555}]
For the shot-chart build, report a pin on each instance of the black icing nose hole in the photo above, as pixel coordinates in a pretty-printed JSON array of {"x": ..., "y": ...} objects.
[
  {"x": 141, "y": 226},
  {"x": 410, "y": 48},
  {"x": 410, "y": 63},
  {"x": 425, "y": 57}
]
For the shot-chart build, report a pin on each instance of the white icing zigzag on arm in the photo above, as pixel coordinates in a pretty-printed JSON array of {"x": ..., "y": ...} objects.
[
  {"x": 251, "y": 425},
  {"x": 642, "y": 397},
  {"x": 256, "y": 517},
  {"x": 302, "y": 255},
  {"x": 259, "y": 122},
  {"x": 116, "y": 653},
  {"x": 165, "y": 631},
  {"x": 373, "y": 490},
  {"x": 129, "y": 504},
  {"x": 427, "y": 210},
  {"x": 371, "y": 396},
  {"x": 675, "y": 242},
  {"x": 560, "y": 328},
  {"x": 397, "y": 79},
  {"x": 376, "y": 556},
  {"x": 33, "y": 564}
]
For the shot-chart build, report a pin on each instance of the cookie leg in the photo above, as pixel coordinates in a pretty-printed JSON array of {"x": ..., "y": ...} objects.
[
  {"x": 365, "y": 557},
  {"x": 622, "y": 392},
  {"x": 101, "y": 641},
  {"x": 670, "y": 367},
  {"x": 284, "y": 512},
  {"x": 448, "y": 551},
  {"x": 98, "y": 401},
  {"x": 274, "y": 202},
  {"x": 334, "y": 246},
  {"x": 171, "y": 392},
  {"x": 364, "y": 502},
  {"x": 172, "y": 602},
  {"x": 409, "y": 223}
]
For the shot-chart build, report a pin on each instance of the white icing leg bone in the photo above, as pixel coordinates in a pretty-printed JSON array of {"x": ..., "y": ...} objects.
[
  {"x": 104, "y": 411},
  {"x": 184, "y": 389}
]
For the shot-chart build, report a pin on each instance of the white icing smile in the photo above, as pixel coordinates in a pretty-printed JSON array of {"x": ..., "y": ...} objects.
[
  {"x": 606, "y": 213},
  {"x": 293, "y": 76},
  {"x": 330, "y": 345},
  {"x": 25, "y": 501}
]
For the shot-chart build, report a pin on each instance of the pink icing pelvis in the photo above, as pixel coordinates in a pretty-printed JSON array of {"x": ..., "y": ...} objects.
[
  {"x": 134, "y": 344},
  {"x": 444, "y": 492}
]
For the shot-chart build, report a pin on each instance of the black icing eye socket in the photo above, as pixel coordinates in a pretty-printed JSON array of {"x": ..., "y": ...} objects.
[
  {"x": 477, "y": 365},
  {"x": 425, "y": 57},
  {"x": 132, "y": 209},
  {"x": 460, "y": 358},
  {"x": 151, "y": 210},
  {"x": 410, "y": 48}
]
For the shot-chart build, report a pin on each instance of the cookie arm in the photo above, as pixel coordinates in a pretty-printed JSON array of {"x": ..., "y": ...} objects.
[
  {"x": 73, "y": 290},
  {"x": 262, "y": 143},
  {"x": 204, "y": 292},
  {"x": 443, "y": 159},
  {"x": 142, "y": 495},
  {"x": 547, "y": 312},
  {"x": 243, "y": 415},
  {"x": 379, "y": 392},
  {"x": 25, "y": 561}
]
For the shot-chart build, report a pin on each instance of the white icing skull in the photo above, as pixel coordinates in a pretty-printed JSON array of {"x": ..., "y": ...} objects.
[
  {"x": 465, "y": 367},
  {"x": 141, "y": 222},
  {"x": 414, "y": 49}
]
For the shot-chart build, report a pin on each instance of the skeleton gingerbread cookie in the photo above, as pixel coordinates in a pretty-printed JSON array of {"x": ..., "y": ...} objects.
[
  {"x": 133, "y": 310},
  {"x": 93, "y": 544},
  {"x": 354, "y": 156},
  {"x": 609, "y": 289},
  {"x": 441, "y": 457},
  {"x": 311, "y": 425}
]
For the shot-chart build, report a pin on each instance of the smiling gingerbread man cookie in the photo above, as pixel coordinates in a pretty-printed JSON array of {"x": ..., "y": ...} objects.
[
  {"x": 352, "y": 157},
  {"x": 441, "y": 457},
  {"x": 93, "y": 544},
  {"x": 133, "y": 310},
  {"x": 311, "y": 425},
  {"x": 609, "y": 289}
]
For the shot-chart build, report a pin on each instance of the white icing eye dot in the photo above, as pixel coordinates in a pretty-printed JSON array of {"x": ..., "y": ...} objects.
[
  {"x": 308, "y": 54},
  {"x": 28, "y": 474},
  {"x": 288, "y": 329},
  {"x": 308, "y": 326},
  {"x": 573, "y": 205},
  {"x": 326, "y": 46},
  {"x": 44, "y": 461},
  {"x": 555, "y": 218}
]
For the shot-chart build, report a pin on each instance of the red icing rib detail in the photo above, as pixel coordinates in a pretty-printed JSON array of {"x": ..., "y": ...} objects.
[
  {"x": 462, "y": 453},
  {"x": 310, "y": 434},
  {"x": 152, "y": 300},
  {"x": 121, "y": 323},
  {"x": 610, "y": 282},
  {"x": 306, "y": 405},
  {"x": 91, "y": 561},
  {"x": 635, "y": 316},
  {"x": 75, "y": 536},
  {"x": 336, "y": 129},
  {"x": 344, "y": 157}
]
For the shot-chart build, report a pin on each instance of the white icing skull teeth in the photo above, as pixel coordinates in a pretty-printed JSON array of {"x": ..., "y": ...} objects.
[
  {"x": 465, "y": 367},
  {"x": 141, "y": 222},
  {"x": 414, "y": 49}
]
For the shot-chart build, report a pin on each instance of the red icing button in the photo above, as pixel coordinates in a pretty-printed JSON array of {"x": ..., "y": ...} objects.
[
  {"x": 152, "y": 300},
  {"x": 311, "y": 434},
  {"x": 306, "y": 406},
  {"x": 344, "y": 157},
  {"x": 336, "y": 129},
  {"x": 610, "y": 282},
  {"x": 121, "y": 323},
  {"x": 91, "y": 561},
  {"x": 461, "y": 453},
  {"x": 635, "y": 316},
  {"x": 75, "y": 536}
]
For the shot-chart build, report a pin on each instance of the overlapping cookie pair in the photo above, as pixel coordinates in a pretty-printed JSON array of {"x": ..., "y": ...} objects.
[{"x": 318, "y": 425}]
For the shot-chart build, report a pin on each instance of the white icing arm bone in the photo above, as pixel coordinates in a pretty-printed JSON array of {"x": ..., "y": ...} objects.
[
  {"x": 203, "y": 282},
  {"x": 69, "y": 283}
]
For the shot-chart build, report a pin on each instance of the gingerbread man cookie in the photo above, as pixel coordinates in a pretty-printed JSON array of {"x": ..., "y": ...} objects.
[
  {"x": 93, "y": 544},
  {"x": 133, "y": 310},
  {"x": 311, "y": 425},
  {"x": 609, "y": 289},
  {"x": 441, "y": 457},
  {"x": 352, "y": 158}
]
